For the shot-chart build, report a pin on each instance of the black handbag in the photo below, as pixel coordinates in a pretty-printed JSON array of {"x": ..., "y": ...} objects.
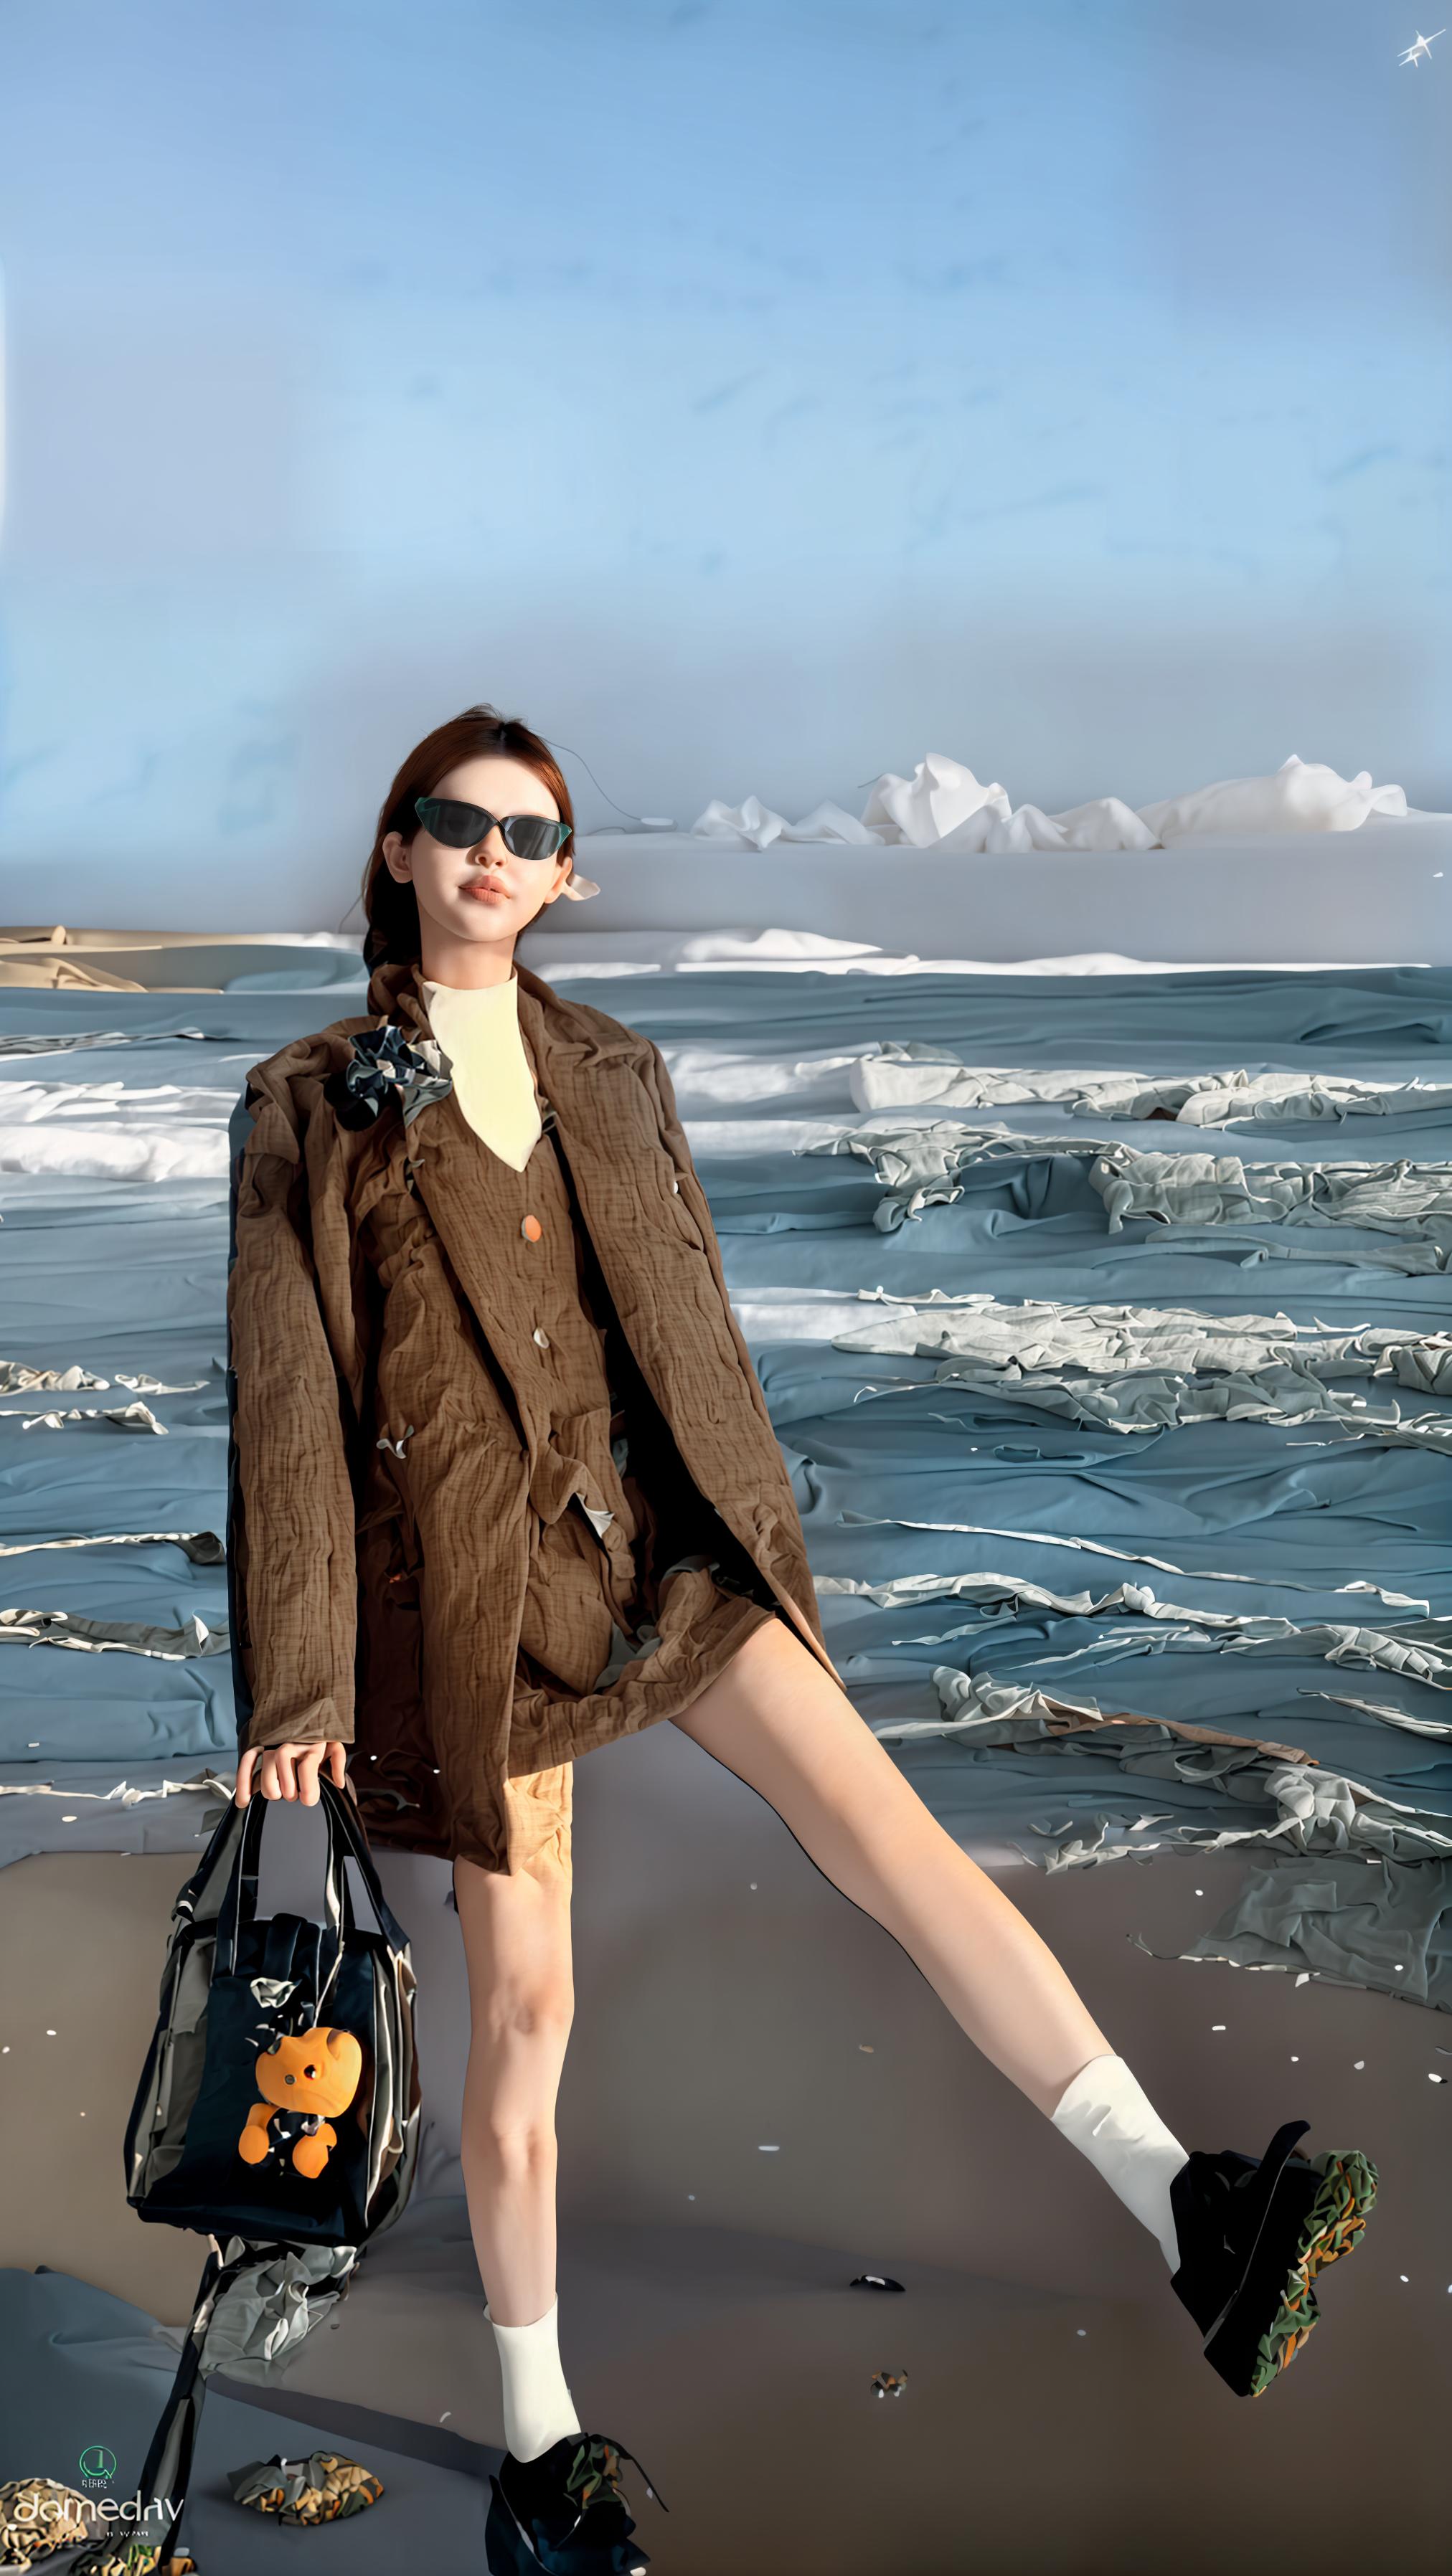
[{"x": 278, "y": 2111}]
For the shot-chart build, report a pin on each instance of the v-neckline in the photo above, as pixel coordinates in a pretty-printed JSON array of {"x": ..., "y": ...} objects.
[
  {"x": 520, "y": 1170},
  {"x": 542, "y": 1105}
]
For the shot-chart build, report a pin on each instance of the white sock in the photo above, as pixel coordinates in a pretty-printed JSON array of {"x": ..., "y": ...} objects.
[
  {"x": 537, "y": 2404},
  {"x": 1107, "y": 2116}
]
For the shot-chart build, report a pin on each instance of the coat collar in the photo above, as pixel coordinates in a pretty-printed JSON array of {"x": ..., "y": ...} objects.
[{"x": 567, "y": 1043}]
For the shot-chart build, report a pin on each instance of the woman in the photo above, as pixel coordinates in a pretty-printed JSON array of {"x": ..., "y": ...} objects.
[{"x": 507, "y": 1488}]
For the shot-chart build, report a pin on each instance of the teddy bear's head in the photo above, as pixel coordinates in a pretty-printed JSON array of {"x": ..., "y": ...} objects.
[{"x": 311, "y": 2070}]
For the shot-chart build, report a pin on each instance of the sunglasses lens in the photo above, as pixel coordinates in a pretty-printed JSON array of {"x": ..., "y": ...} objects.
[
  {"x": 533, "y": 836},
  {"x": 457, "y": 826}
]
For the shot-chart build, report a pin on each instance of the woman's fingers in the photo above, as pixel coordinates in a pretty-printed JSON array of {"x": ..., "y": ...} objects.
[
  {"x": 309, "y": 1763},
  {"x": 289, "y": 1771}
]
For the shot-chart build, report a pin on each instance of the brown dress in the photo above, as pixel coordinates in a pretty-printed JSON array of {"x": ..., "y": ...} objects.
[{"x": 630, "y": 1588}]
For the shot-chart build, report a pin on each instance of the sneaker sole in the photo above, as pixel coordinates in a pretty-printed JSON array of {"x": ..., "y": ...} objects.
[
  {"x": 1268, "y": 2322},
  {"x": 1332, "y": 2228}
]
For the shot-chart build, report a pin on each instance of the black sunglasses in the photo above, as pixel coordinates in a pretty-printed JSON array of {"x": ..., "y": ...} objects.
[{"x": 525, "y": 836}]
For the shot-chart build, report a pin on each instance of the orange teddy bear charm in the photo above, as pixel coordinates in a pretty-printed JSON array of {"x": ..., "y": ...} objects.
[{"x": 304, "y": 2077}]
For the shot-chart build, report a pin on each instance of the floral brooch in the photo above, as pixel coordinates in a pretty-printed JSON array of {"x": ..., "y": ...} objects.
[{"x": 385, "y": 1066}]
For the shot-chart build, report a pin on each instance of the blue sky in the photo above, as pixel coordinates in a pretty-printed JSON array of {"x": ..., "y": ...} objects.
[{"x": 754, "y": 398}]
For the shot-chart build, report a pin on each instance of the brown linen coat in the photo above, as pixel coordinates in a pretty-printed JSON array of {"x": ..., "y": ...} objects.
[{"x": 381, "y": 1446}]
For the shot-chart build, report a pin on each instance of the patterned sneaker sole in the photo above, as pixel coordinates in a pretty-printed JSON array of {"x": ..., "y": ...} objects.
[{"x": 1332, "y": 2227}]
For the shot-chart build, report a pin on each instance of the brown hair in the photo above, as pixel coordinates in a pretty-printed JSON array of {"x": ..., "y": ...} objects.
[{"x": 391, "y": 908}]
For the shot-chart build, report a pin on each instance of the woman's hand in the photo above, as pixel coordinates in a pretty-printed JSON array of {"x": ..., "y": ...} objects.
[{"x": 289, "y": 1770}]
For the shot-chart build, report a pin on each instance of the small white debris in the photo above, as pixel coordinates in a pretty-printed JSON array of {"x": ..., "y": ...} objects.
[
  {"x": 1398, "y": 1969},
  {"x": 1081, "y": 2330},
  {"x": 68, "y": 1820},
  {"x": 1436, "y": 2079},
  {"x": 1304, "y": 1978},
  {"x": 1217, "y": 2025},
  {"x": 690, "y": 2195},
  {"x": 1295, "y": 2061},
  {"x": 1199, "y": 1891},
  {"x": 1358, "y": 2063},
  {"x": 866, "y": 2049},
  {"x": 751, "y": 1883},
  {"x": 448, "y": 2410},
  {"x": 768, "y": 2151},
  {"x": 50, "y": 2034},
  {"x": 1401, "y": 2276}
]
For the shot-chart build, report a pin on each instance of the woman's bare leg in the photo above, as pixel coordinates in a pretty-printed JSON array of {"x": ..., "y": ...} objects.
[
  {"x": 780, "y": 1722},
  {"x": 516, "y": 1932}
]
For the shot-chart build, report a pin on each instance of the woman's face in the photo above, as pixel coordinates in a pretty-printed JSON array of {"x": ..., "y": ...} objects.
[{"x": 481, "y": 897}]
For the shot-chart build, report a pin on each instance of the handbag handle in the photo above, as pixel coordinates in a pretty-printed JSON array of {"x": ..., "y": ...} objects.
[
  {"x": 238, "y": 1909},
  {"x": 345, "y": 1840},
  {"x": 345, "y": 1812}
]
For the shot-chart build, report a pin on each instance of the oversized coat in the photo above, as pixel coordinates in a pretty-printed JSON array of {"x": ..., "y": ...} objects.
[{"x": 383, "y": 1433}]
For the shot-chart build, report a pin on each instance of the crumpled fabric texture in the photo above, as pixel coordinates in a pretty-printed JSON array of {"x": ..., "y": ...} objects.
[
  {"x": 1387, "y": 1927},
  {"x": 1220, "y": 1189},
  {"x": 1305, "y": 1807},
  {"x": 1155, "y": 1367},
  {"x": 923, "y": 1166},
  {"x": 107, "y": 1636},
  {"x": 323, "y": 2487},
  {"x": 895, "y": 1075},
  {"x": 943, "y": 806},
  {"x": 272, "y": 2306},
  {"x": 1041, "y": 1333},
  {"x": 1422, "y": 1649}
]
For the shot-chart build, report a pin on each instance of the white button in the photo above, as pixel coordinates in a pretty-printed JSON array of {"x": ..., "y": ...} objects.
[
  {"x": 676, "y": 1187},
  {"x": 542, "y": 1337}
]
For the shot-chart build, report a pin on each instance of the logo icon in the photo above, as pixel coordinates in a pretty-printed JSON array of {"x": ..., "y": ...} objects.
[{"x": 97, "y": 2464}]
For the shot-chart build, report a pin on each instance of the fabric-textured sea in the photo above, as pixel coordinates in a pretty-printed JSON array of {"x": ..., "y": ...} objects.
[
  {"x": 1154, "y": 1367},
  {"x": 895, "y": 1074},
  {"x": 923, "y": 1166}
]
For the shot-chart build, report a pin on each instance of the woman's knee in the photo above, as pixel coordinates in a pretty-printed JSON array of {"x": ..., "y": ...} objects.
[
  {"x": 519, "y": 2038},
  {"x": 535, "y": 2012},
  {"x": 522, "y": 1998}
]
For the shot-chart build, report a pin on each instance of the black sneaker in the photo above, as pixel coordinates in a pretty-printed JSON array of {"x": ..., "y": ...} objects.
[
  {"x": 1252, "y": 2236},
  {"x": 564, "y": 2512}
]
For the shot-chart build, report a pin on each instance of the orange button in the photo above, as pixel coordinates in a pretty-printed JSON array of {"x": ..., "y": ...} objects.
[{"x": 530, "y": 1228}]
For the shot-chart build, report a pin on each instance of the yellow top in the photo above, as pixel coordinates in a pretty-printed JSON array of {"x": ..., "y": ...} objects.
[{"x": 493, "y": 1084}]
